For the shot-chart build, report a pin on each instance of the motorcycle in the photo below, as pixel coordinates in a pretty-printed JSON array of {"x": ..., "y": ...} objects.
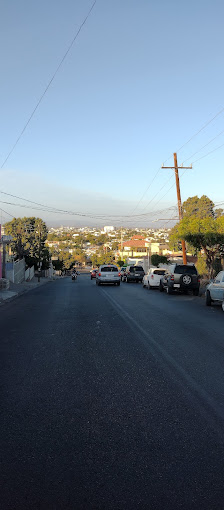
[{"x": 74, "y": 276}]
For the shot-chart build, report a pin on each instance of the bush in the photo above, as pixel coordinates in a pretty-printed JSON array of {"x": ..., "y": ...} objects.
[
  {"x": 201, "y": 265},
  {"x": 158, "y": 259}
]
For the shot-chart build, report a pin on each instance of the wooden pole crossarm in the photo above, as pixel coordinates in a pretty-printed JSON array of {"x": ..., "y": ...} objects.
[{"x": 173, "y": 167}]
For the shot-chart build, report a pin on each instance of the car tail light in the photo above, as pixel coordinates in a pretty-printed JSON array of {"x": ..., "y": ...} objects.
[
  {"x": 199, "y": 280},
  {"x": 152, "y": 276},
  {"x": 99, "y": 274},
  {"x": 119, "y": 274},
  {"x": 128, "y": 272},
  {"x": 172, "y": 277}
]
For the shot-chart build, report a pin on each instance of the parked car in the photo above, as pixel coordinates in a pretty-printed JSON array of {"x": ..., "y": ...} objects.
[
  {"x": 180, "y": 277},
  {"x": 134, "y": 274},
  {"x": 153, "y": 277},
  {"x": 123, "y": 272},
  {"x": 215, "y": 290},
  {"x": 108, "y": 273},
  {"x": 93, "y": 273}
]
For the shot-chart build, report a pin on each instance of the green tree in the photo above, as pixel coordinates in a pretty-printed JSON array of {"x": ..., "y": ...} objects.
[
  {"x": 218, "y": 212},
  {"x": 158, "y": 259},
  {"x": 120, "y": 263},
  {"x": 200, "y": 207},
  {"x": 205, "y": 235},
  {"x": 28, "y": 239}
]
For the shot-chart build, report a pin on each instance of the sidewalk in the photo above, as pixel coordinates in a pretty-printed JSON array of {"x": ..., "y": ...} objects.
[{"x": 16, "y": 290}]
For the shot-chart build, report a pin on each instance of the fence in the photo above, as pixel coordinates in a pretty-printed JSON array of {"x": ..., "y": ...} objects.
[
  {"x": 15, "y": 271},
  {"x": 29, "y": 273}
]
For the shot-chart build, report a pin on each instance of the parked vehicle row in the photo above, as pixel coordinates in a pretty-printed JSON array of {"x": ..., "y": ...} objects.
[{"x": 176, "y": 278}]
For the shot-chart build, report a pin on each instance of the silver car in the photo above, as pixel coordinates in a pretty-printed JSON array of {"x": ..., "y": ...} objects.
[
  {"x": 108, "y": 273},
  {"x": 215, "y": 290}
]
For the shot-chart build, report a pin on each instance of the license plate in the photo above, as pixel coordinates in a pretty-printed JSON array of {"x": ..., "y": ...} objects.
[
  {"x": 176, "y": 285},
  {"x": 137, "y": 274}
]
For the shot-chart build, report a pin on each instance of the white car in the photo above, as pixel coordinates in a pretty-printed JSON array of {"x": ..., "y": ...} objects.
[
  {"x": 152, "y": 278},
  {"x": 215, "y": 290},
  {"x": 108, "y": 273}
]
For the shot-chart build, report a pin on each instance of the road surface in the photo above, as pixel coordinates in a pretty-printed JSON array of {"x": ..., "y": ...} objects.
[{"x": 111, "y": 398}]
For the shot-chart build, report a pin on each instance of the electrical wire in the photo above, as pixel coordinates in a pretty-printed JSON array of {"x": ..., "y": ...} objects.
[
  {"x": 210, "y": 152},
  {"x": 201, "y": 129},
  {"x": 210, "y": 141},
  {"x": 49, "y": 84},
  {"x": 178, "y": 150},
  {"x": 7, "y": 213}
]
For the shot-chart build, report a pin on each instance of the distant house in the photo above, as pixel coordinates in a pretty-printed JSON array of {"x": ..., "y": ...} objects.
[{"x": 139, "y": 247}]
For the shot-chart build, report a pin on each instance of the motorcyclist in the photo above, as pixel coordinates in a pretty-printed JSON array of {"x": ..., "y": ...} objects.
[{"x": 74, "y": 274}]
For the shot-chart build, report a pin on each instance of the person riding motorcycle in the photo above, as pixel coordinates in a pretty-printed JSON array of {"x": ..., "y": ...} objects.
[{"x": 74, "y": 274}]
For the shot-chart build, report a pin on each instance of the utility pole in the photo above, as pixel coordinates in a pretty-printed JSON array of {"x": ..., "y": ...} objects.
[
  {"x": 176, "y": 168},
  {"x": 122, "y": 241}
]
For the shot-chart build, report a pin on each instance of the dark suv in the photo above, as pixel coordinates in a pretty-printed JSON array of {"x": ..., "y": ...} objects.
[
  {"x": 134, "y": 274},
  {"x": 180, "y": 277}
]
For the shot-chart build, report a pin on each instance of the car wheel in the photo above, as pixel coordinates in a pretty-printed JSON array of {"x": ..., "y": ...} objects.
[
  {"x": 161, "y": 289},
  {"x": 186, "y": 280},
  {"x": 96, "y": 282},
  {"x": 208, "y": 300},
  {"x": 223, "y": 306},
  {"x": 195, "y": 292},
  {"x": 149, "y": 286},
  {"x": 118, "y": 283},
  {"x": 168, "y": 290}
]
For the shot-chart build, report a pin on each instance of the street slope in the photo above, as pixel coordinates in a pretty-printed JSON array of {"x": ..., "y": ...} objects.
[{"x": 112, "y": 398}]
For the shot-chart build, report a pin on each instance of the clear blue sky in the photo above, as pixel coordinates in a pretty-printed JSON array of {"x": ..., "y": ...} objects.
[{"x": 140, "y": 80}]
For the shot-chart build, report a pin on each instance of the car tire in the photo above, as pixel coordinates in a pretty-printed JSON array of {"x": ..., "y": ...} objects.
[
  {"x": 118, "y": 283},
  {"x": 161, "y": 289},
  {"x": 195, "y": 292},
  {"x": 208, "y": 300},
  {"x": 223, "y": 306},
  {"x": 149, "y": 286},
  {"x": 168, "y": 290},
  {"x": 186, "y": 280}
]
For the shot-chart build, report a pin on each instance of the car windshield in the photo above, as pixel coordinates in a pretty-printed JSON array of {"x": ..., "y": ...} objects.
[
  {"x": 159, "y": 271},
  {"x": 109, "y": 269},
  {"x": 135, "y": 269}
]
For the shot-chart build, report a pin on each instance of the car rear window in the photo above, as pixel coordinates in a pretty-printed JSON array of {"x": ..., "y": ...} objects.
[
  {"x": 159, "y": 271},
  {"x": 109, "y": 269},
  {"x": 136, "y": 269},
  {"x": 185, "y": 270}
]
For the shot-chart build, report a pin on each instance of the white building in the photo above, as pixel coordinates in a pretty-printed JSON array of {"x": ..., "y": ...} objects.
[{"x": 108, "y": 229}]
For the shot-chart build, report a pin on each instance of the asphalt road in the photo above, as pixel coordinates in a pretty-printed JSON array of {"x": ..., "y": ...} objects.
[{"x": 111, "y": 398}]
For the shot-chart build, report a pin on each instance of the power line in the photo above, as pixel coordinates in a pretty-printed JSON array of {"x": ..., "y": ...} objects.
[
  {"x": 210, "y": 141},
  {"x": 7, "y": 213},
  {"x": 201, "y": 129},
  {"x": 99, "y": 217},
  {"x": 49, "y": 84},
  {"x": 178, "y": 150},
  {"x": 210, "y": 152}
]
